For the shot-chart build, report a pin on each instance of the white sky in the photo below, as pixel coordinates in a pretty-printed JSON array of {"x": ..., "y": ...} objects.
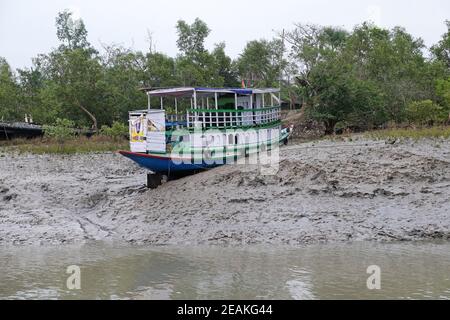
[{"x": 27, "y": 27}]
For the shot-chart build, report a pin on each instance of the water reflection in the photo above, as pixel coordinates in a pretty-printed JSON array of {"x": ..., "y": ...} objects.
[
  {"x": 300, "y": 287},
  {"x": 409, "y": 271}
]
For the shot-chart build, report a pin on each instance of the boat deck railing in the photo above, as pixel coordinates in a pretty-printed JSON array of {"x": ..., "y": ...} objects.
[
  {"x": 231, "y": 118},
  {"x": 175, "y": 117},
  {"x": 224, "y": 118}
]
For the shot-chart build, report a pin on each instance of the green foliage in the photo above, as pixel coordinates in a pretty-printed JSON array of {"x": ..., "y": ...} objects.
[
  {"x": 443, "y": 91},
  {"x": 364, "y": 78},
  {"x": 160, "y": 70},
  {"x": 196, "y": 66},
  {"x": 441, "y": 50},
  {"x": 424, "y": 112},
  {"x": 118, "y": 130},
  {"x": 394, "y": 60},
  {"x": 260, "y": 63},
  {"x": 123, "y": 72},
  {"x": 72, "y": 33},
  {"x": 311, "y": 44},
  {"x": 74, "y": 76},
  {"x": 342, "y": 96},
  {"x": 191, "y": 38},
  {"x": 10, "y": 100},
  {"x": 61, "y": 131},
  {"x": 70, "y": 76},
  {"x": 30, "y": 84},
  {"x": 223, "y": 67}
]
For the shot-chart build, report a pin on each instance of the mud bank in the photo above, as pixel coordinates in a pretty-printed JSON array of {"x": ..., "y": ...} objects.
[{"x": 323, "y": 192}]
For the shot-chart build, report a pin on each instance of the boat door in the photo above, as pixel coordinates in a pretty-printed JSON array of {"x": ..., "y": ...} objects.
[
  {"x": 138, "y": 131},
  {"x": 258, "y": 105},
  {"x": 156, "y": 131},
  {"x": 243, "y": 102}
]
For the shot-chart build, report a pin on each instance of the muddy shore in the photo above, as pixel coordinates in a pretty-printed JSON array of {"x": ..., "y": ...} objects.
[{"x": 323, "y": 192}]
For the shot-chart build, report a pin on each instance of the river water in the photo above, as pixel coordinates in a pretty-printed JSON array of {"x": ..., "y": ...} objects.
[{"x": 327, "y": 271}]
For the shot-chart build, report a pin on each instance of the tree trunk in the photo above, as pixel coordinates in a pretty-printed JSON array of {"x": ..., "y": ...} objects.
[
  {"x": 329, "y": 126},
  {"x": 94, "y": 120},
  {"x": 292, "y": 100}
]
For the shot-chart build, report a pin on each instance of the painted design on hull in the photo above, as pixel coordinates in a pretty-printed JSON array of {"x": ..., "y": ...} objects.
[{"x": 165, "y": 164}]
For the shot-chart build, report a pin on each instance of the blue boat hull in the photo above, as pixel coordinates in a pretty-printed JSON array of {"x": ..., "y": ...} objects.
[{"x": 166, "y": 165}]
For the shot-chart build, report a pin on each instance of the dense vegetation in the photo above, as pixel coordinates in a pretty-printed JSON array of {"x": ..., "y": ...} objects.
[{"x": 364, "y": 79}]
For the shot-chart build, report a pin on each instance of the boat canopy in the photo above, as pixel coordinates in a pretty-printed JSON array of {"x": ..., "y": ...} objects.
[{"x": 188, "y": 91}]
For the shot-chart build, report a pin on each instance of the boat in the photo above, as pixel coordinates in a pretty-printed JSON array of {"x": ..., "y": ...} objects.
[
  {"x": 15, "y": 129},
  {"x": 11, "y": 130},
  {"x": 190, "y": 129}
]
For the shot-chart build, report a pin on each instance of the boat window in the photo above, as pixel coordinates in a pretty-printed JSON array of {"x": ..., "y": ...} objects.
[
  {"x": 236, "y": 139},
  {"x": 230, "y": 139}
]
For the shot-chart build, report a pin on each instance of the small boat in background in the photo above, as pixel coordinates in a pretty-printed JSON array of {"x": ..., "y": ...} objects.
[
  {"x": 216, "y": 126},
  {"x": 12, "y": 130}
]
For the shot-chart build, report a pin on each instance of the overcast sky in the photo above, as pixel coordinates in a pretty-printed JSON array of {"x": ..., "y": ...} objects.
[{"x": 28, "y": 27}]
